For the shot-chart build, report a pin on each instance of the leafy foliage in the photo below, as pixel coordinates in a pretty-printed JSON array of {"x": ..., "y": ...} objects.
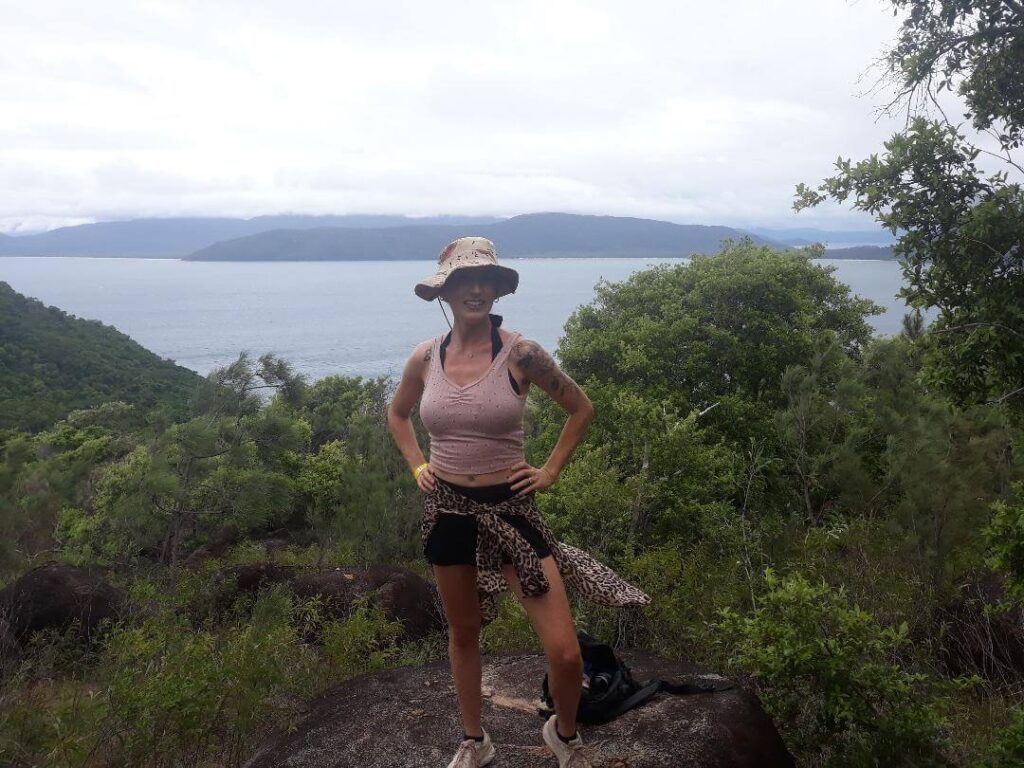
[
  {"x": 831, "y": 678},
  {"x": 960, "y": 249},
  {"x": 968, "y": 46},
  {"x": 960, "y": 232},
  {"x": 721, "y": 329},
  {"x": 1008, "y": 749},
  {"x": 1005, "y": 537}
]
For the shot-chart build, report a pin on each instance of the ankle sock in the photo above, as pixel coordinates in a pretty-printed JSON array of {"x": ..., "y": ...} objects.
[
  {"x": 564, "y": 739},
  {"x": 474, "y": 738}
]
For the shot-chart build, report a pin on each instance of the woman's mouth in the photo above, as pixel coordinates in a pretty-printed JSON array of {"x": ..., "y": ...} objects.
[{"x": 474, "y": 303}]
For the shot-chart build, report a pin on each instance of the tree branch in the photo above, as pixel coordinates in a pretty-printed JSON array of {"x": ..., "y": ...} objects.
[
  {"x": 1006, "y": 158},
  {"x": 966, "y": 326},
  {"x": 1005, "y": 397},
  {"x": 708, "y": 409}
]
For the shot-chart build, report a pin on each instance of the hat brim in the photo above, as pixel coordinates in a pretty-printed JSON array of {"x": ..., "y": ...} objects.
[{"x": 506, "y": 277}]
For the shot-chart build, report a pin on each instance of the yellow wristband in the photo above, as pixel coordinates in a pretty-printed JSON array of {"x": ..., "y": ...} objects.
[{"x": 416, "y": 472}]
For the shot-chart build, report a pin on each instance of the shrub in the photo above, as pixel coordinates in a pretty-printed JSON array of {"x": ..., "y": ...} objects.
[
  {"x": 363, "y": 642},
  {"x": 1005, "y": 538},
  {"x": 176, "y": 695},
  {"x": 1008, "y": 750},
  {"x": 827, "y": 672}
]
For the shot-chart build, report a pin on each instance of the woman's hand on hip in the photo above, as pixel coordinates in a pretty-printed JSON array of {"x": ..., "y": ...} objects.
[
  {"x": 527, "y": 479},
  {"x": 426, "y": 481}
]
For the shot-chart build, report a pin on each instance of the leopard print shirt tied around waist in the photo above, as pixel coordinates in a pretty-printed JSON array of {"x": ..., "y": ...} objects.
[{"x": 581, "y": 572}]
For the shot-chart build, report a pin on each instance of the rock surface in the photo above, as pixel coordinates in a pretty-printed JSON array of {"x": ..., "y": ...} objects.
[
  {"x": 53, "y": 596},
  {"x": 10, "y": 648},
  {"x": 398, "y": 592},
  {"x": 408, "y": 718}
]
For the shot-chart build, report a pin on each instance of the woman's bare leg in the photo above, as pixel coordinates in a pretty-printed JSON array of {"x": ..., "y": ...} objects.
[
  {"x": 457, "y": 585},
  {"x": 552, "y": 620}
]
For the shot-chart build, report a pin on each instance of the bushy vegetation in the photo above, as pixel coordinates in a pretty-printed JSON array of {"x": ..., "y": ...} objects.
[
  {"x": 833, "y": 462},
  {"x": 161, "y": 691},
  {"x": 832, "y": 674},
  {"x": 811, "y": 508}
]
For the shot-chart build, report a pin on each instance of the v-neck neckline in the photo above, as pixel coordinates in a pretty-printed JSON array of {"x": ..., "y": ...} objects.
[{"x": 502, "y": 354}]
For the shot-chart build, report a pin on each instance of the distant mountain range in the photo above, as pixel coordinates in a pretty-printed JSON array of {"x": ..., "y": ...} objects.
[
  {"x": 178, "y": 237},
  {"x": 872, "y": 252},
  {"x": 832, "y": 238},
  {"x": 371, "y": 237},
  {"x": 536, "y": 235}
]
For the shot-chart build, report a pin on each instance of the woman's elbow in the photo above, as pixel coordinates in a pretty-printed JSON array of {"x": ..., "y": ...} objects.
[
  {"x": 585, "y": 409},
  {"x": 395, "y": 417}
]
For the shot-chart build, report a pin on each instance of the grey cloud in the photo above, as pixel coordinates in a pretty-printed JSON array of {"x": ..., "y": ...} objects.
[{"x": 707, "y": 113}]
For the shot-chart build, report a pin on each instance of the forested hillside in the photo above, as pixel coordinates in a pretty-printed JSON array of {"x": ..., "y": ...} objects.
[{"x": 52, "y": 362}]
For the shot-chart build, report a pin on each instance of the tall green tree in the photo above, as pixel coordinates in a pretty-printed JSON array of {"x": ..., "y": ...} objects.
[
  {"x": 960, "y": 230},
  {"x": 715, "y": 335},
  {"x": 224, "y": 472}
]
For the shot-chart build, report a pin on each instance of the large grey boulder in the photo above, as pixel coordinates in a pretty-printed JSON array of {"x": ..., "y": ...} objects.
[
  {"x": 408, "y": 718},
  {"x": 399, "y": 593}
]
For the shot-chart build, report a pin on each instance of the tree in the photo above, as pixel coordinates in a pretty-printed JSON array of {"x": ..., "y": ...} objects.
[
  {"x": 960, "y": 232},
  {"x": 716, "y": 333},
  {"x": 973, "y": 46},
  {"x": 343, "y": 496},
  {"x": 228, "y": 470}
]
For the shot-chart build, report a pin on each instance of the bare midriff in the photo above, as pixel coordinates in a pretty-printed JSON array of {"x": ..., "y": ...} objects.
[{"x": 487, "y": 478}]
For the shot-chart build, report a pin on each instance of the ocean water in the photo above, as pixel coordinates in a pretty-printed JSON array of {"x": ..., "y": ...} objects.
[{"x": 338, "y": 317}]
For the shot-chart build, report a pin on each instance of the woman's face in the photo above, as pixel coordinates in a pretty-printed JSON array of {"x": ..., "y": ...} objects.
[{"x": 470, "y": 292}]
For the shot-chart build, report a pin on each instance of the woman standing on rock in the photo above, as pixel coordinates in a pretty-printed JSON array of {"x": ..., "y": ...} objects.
[{"x": 482, "y": 531}]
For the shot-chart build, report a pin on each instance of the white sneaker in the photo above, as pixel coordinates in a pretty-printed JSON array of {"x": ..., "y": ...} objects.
[
  {"x": 473, "y": 754},
  {"x": 570, "y": 755}
]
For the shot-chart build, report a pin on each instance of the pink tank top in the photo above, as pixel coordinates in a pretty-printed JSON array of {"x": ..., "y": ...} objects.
[{"x": 475, "y": 428}]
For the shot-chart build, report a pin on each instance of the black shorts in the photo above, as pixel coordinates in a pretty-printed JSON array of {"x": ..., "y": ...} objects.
[{"x": 452, "y": 540}]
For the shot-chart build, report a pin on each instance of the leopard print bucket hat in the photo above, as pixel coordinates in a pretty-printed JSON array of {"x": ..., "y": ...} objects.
[{"x": 477, "y": 252}]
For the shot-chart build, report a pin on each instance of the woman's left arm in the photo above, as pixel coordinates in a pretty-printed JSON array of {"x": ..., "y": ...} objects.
[{"x": 541, "y": 369}]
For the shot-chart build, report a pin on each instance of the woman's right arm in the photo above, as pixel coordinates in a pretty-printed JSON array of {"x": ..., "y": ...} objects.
[{"x": 409, "y": 391}]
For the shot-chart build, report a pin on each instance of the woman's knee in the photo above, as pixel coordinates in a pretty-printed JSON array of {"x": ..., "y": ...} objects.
[{"x": 566, "y": 656}]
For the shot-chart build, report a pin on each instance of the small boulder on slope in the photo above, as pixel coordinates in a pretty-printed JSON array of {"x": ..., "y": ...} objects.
[
  {"x": 408, "y": 718},
  {"x": 54, "y": 596},
  {"x": 400, "y": 594}
]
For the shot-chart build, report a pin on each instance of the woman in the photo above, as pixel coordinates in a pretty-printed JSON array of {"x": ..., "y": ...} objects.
[{"x": 482, "y": 531}]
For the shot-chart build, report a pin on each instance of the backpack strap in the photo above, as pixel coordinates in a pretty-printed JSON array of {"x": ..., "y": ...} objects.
[
  {"x": 681, "y": 689},
  {"x": 636, "y": 699},
  {"x": 651, "y": 687}
]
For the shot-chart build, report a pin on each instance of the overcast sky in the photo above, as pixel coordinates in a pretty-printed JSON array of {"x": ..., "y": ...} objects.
[{"x": 690, "y": 112}]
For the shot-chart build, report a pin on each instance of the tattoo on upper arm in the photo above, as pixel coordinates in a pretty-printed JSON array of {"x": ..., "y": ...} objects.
[
  {"x": 532, "y": 358},
  {"x": 429, "y": 353}
]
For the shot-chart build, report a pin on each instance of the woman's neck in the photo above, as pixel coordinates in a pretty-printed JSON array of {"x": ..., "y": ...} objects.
[{"x": 470, "y": 335}]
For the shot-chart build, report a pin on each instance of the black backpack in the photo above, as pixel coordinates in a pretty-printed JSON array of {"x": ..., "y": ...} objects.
[{"x": 613, "y": 690}]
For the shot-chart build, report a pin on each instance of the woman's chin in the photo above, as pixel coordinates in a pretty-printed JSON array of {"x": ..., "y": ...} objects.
[{"x": 475, "y": 314}]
